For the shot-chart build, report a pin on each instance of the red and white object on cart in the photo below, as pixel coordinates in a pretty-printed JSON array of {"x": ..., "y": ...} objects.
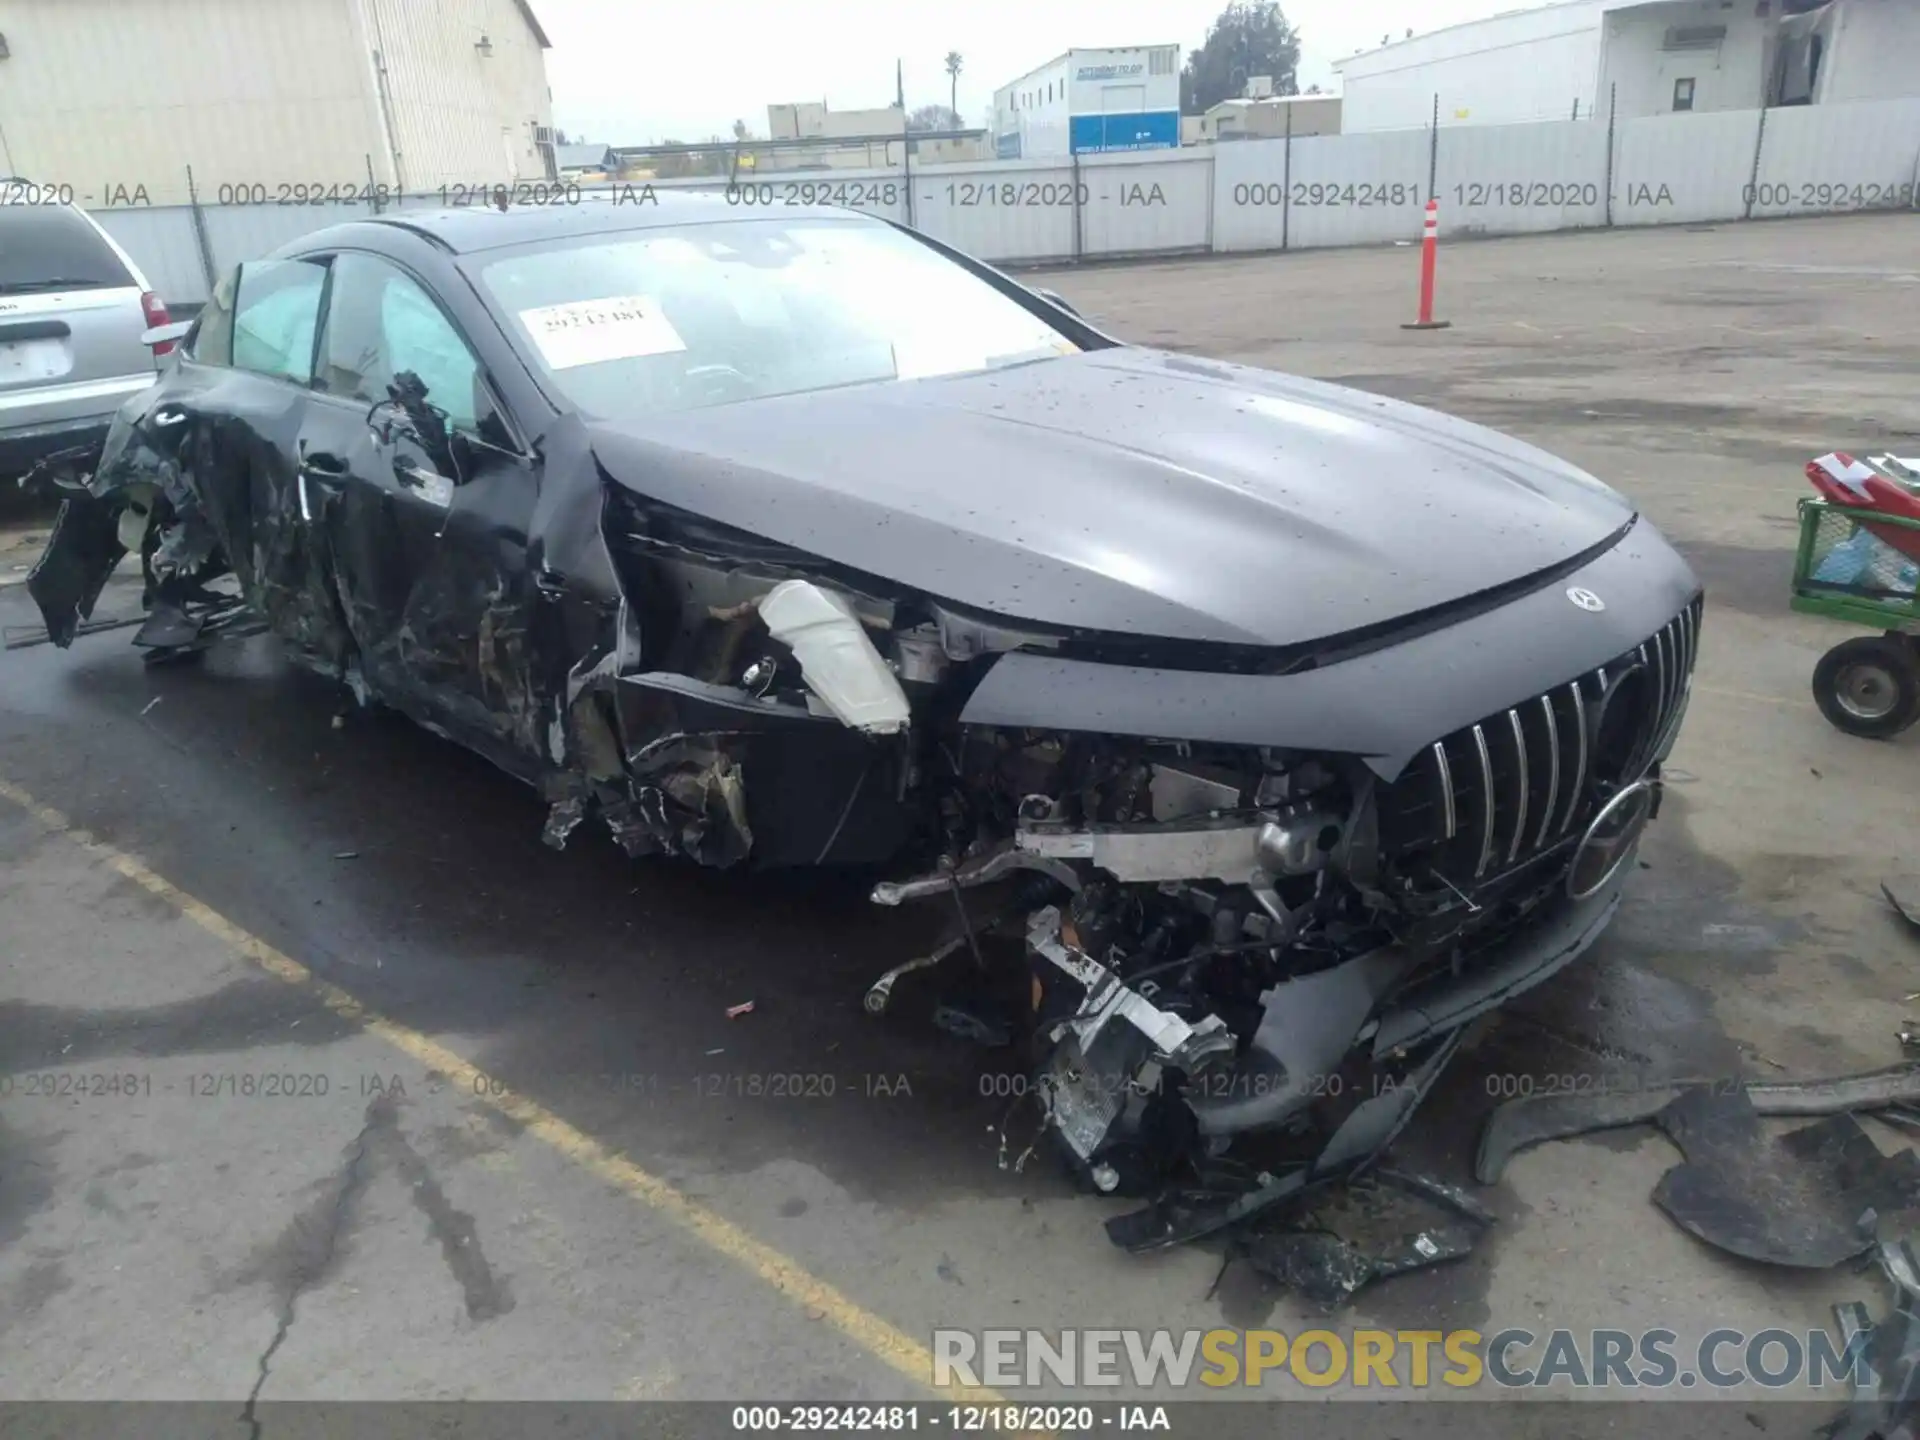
[{"x": 1886, "y": 483}]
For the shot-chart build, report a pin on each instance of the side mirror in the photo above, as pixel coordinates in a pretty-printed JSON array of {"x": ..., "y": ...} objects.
[
  {"x": 1054, "y": 297},
  {"x": 161, "y": 334},
  {"x": 418, "y": 420},
  {"x": 409, "y": 392}
]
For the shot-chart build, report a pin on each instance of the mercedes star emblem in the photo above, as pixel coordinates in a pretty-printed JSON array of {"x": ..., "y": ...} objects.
[{"x": 1585, "y": 598}]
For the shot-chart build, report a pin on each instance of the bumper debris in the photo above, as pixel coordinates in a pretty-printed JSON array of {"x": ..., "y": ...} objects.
[{"x": 1533, "y": 1120}]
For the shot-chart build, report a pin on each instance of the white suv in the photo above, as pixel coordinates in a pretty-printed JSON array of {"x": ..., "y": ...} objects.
[{"x": 75, "y": 313}]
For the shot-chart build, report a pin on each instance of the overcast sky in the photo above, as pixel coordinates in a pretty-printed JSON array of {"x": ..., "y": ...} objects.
[{"x": 630, "y": 74}]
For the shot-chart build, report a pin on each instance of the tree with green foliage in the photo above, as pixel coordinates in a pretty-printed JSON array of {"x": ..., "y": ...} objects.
[{"x": 1250, "y": 38}]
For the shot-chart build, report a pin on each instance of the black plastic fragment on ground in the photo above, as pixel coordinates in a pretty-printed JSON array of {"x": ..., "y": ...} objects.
[
  {"x": 1367, "y": 1232},
  {"x": 1810, "y": 1198}
]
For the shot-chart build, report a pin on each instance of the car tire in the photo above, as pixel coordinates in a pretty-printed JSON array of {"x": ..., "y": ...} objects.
[{"x": 1869, "y": 686}]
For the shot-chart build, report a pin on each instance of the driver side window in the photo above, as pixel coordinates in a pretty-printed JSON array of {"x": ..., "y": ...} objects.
[
  {"x": 261, "y": 317},
  {"x": 380, "y": 322}
]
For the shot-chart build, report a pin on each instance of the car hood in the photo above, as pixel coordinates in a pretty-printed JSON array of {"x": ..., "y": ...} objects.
[{"x": 1131, "y": 491}]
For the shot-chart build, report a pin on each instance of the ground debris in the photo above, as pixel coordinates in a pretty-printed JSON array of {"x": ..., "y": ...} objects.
[
  {"x": 1809, "y": 1199},
  {"x": 1534, "y": 1119},
  {"x": 1374, "y": 1229},
  {"x": 1904, "y": 896},
  {"x": 1886, "y": 1393}
]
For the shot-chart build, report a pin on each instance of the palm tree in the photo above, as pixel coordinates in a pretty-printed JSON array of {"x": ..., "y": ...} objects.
[{"x": 953, "y": 86}]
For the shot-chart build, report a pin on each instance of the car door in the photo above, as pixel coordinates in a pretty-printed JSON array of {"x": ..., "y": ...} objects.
[
  {"x": 217, "y": 434},
  {"x": 236, "y": 401},
  {"x": 427, "y": 518}
]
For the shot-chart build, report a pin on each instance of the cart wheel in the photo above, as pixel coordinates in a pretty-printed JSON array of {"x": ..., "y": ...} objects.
[{"x": 1869, "y": 686}]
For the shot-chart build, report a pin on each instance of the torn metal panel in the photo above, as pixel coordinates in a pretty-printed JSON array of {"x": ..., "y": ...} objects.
[
  {"x": 830, "y": 794},
  {"x": 427, "y": 555},
  {"x": 1535, "y": 1119},
  {"x": 82, "y": 551}
]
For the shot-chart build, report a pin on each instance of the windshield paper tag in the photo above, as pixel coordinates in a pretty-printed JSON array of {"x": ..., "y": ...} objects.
[{"x": 588, "y": 332}]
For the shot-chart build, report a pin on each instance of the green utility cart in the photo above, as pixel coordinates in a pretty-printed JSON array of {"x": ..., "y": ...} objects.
[{"x": 1863, "y": 566}]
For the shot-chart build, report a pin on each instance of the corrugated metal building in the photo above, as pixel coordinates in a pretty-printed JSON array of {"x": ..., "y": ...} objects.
[
  {"x": 114, "y": 97},
  {"x": 1570, "y": 60}
]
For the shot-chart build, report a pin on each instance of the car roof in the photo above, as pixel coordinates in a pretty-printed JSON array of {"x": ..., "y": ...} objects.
[{"x": 466, "y": 229}]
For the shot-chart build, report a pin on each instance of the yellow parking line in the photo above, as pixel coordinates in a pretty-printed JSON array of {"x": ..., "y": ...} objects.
[{"x": 814, "y": 1296}]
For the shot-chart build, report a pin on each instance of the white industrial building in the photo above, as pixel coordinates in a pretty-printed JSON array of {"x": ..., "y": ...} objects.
[
  {"x": 1577, "y": 58},
  {"x": 121, "y": 96},
  {"x": 1088, "y": 101},
  {"x": 854, "y": 129},
  {"x": 1269, "y": 117},
  {"x": 855, "y": 139}
]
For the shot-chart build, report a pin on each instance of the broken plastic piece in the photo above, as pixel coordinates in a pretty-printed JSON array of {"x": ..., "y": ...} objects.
[
  {"x": 1809, "y": 1199},
  {"x": 1330, "y": 1270},
  {"x": 1369, "y": 1232},
  {"x": 1438, "y": 1192},
  {"x": 1367, "y": 1131},
  {"x": 836, "y": 658},
  {"x": 1905, "y": 898},
  {"x": 734, "y": 1012},
  {"x": 1529, "y": 1121}
]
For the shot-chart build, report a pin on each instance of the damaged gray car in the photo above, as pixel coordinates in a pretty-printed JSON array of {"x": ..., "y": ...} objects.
[{"x": 1287, "y": 728}]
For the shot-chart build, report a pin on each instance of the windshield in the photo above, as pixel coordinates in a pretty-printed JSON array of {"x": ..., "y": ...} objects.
[{"x": 656, "y": 321}]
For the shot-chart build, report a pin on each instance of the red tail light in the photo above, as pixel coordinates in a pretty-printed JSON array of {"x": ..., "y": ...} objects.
[{"x": 156, "y": 316}]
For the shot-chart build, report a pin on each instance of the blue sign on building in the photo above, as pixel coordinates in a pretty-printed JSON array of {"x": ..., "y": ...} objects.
[
  {"x": 1145, "y": 130},
  {"x": 1007, "y": 147}
]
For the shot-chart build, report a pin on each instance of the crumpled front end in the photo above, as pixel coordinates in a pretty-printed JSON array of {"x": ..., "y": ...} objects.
[
  {"x": 1218, "y": 934},
  {"x": 1238, "y": 941}
]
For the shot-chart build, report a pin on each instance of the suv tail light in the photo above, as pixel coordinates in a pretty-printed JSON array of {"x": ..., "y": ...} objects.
[{"x": 156, "y": 313}]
